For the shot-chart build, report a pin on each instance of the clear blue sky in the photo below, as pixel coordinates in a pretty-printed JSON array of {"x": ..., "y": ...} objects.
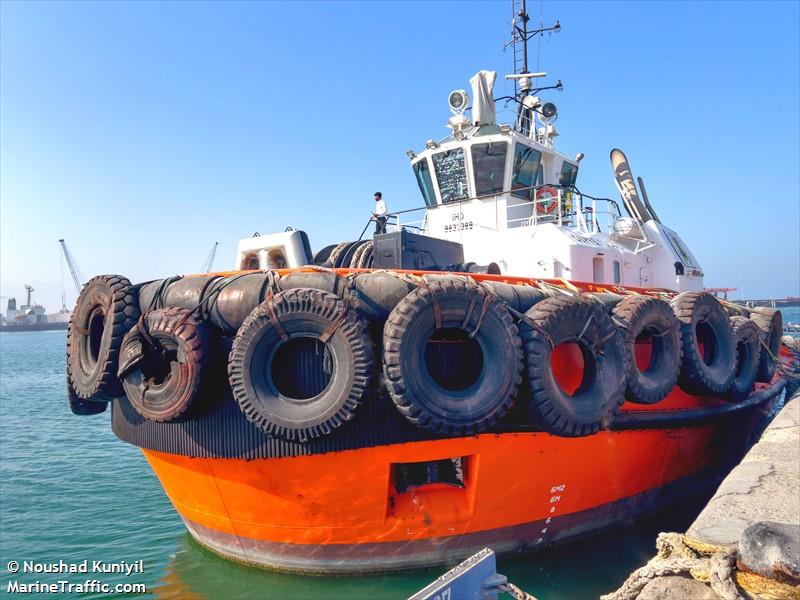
[{"x": 144, "y": 132}]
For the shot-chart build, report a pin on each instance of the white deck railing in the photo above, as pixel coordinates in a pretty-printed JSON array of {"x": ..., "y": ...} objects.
[{"x": 569, "y": 207}]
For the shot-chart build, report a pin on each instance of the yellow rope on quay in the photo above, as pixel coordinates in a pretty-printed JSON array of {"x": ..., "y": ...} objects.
[{"x": 708, "y": 563}]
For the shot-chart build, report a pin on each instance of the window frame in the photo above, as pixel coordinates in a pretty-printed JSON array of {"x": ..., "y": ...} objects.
[
  {"x": 467, "y": 192},
  {"x": 433, "y": 201},
  {"x": 521, "y": 192},
  {"x": 474, "y": 167},
  {"x": 561, "y": 172}
]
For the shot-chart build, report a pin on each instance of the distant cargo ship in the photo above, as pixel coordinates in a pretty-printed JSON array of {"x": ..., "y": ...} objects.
[{"x": 32, "y": 317}]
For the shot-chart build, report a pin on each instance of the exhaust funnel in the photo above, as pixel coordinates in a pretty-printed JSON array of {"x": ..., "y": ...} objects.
[{"x": 627, "y": 186}]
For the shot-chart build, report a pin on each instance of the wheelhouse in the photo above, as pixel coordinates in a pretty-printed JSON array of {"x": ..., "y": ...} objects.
[
  {"x": 489, "y": 164},
  {"x": 524, "y": 181}
]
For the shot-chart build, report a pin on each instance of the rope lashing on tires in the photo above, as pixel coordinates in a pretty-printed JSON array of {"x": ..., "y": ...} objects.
[
  {"x": 276, "y": 322},
  {"x": 585, "y": 327},
  {"x": 779, "y": 366},
  {"x": 157, "y": 301},
  {"x": 145, "y": 330},
  {"x": 554, "y": 290},
  {"x": 210, "y": 299},
  {"x": 523, "y": 318},
  {"x": 326, "y": 335},
  {"x": 715, "y": 565},
  {"x": 423, "y": 283},
  {"x": 301, "y": 314}
]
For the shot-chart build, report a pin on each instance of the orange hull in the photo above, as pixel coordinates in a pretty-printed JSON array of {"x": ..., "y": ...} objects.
[
  {"x": 342, "y": 512},
  {"x": 336, "y": 504}
]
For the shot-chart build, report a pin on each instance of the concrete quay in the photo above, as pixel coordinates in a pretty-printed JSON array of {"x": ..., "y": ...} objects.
[{"x": 747, "y": 538}]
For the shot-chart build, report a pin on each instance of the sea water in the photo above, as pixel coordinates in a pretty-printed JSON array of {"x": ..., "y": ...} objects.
[{"x": 71, "y": 493}]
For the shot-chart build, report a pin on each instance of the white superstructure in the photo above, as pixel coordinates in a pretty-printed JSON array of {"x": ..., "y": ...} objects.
[{"x": 508, "y": 196}]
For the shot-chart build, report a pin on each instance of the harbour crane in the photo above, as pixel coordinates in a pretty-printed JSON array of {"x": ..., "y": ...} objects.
[
  {"x": 207, "y": 266},
  {"x": 73, "y": 269}
]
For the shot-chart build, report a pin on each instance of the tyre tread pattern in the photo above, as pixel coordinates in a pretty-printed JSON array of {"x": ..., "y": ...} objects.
[
  {"x": 546, "y": 408},
  {"x": 123, "y": 306},
  {"x": 747, "y": 332},
  {"x": 404, "y": 396},
  {"x": 352, "y": 327},
  {"x": 636, "y": 313},
  {"x": 190, "y": 333},
  {"x": 695, "y": 377}
]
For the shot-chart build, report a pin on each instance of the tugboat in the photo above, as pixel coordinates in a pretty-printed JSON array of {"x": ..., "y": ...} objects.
[{"x": 514, "y": 365}]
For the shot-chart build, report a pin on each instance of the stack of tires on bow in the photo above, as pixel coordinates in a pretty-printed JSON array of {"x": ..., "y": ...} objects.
[{"x": 305, "y": 350}]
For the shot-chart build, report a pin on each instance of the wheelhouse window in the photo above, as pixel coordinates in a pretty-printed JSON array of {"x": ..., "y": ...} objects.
[
  {"x": 489, "y": 165},
  {"x": 526, "y": 164},
  {"x": 568, "y": 175},
  {"x": 424, "y": 181},
  {"x": 451, "y": 173}
]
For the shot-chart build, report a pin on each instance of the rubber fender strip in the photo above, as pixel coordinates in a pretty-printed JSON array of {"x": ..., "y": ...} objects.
[{"x": 682, "y": 418}]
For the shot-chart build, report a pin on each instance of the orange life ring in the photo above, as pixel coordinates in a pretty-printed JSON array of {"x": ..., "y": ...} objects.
[{"x": 543, "y": 207}]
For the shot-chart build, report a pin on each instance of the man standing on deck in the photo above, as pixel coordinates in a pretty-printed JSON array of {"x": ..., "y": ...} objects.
[{"x": 380, "y": 214}]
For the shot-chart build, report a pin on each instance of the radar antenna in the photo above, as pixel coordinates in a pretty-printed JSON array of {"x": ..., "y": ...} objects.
[{"x": 520, "y": 35}]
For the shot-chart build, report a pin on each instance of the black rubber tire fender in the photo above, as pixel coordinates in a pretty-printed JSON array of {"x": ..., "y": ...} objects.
[
  {"x": 747, "y": 337},
  {"x": 327, "y": 281},
  {"x": 163, "y": 381},
  {"x": 770, "y": 322},
  {"x": 346, "y": 258},
  {"x": 335, "y": 258},
  {"x": 321, "y": 257},
  {"x": 106, "y": 309},
  {"x": 80, "y": 407},
  {"x": 647, "y": 317},
  {"x": 375, "y": 294},
  {"x": 563, "y": 319},
  {"x": 711, "y": 372},
  {"x": 362, "y": 256},
  {"x": 415, "y": 392},
  {"x": 368, "y": 257},
  {"x": 519, "y": 297},
  {"x": 301, "y": 313}
]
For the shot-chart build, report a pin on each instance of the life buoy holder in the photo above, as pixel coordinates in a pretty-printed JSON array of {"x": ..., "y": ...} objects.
[{"x": 543, "y": 205}]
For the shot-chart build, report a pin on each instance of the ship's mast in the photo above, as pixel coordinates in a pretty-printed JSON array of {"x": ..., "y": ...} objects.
[{"x": 523, "y": 86}]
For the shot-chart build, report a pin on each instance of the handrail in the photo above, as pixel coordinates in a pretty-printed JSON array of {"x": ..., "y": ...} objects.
[{"x": 578, "y": 212}]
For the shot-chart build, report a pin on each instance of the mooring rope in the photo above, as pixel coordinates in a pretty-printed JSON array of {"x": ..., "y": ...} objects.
[{"x": 715, "y": 565}]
